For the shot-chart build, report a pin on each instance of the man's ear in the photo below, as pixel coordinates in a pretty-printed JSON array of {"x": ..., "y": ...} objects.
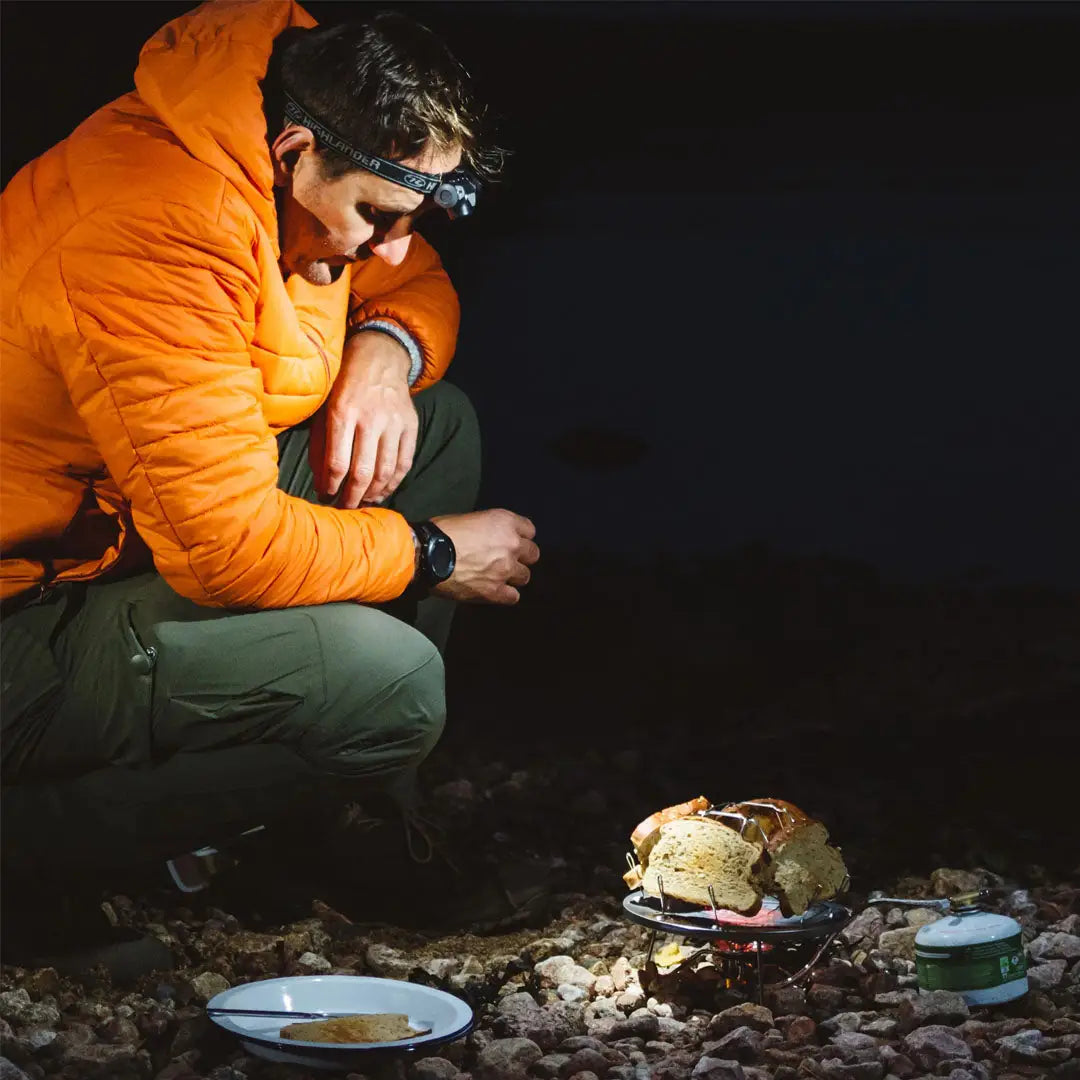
[{"x": 285, "y": 150}]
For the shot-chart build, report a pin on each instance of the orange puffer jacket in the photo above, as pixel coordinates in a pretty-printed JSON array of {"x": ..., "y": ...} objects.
[{"x": 152, "y": 349}]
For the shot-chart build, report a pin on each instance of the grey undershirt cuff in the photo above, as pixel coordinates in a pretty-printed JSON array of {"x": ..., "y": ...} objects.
[{"x": 403, "y": 338}]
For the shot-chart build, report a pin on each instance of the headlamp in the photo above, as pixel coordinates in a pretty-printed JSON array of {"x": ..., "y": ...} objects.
[{"x": 455, "y": 191}]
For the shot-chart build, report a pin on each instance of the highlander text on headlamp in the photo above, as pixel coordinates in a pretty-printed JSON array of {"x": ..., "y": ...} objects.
[{"x": 455, "y": 191}]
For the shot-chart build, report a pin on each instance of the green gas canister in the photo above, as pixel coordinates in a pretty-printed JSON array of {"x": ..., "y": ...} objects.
[{"x": 973, "y": 952}]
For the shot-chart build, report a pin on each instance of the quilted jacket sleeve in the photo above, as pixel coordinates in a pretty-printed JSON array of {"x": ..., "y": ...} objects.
[
  {"x": 417, "y": 296},
  {"x": 163, "y": 306}
]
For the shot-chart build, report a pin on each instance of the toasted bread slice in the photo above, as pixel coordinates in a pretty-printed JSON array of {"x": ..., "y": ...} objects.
[
  {"x": 804, "y": 869},
  {"x": 365, "y": 1028},
  {"x": 693, "y": 853},
  {"x": 648, "y": 832}
]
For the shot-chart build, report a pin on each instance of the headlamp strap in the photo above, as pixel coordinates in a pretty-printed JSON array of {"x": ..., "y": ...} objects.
[{"x": 388, "y": 170}]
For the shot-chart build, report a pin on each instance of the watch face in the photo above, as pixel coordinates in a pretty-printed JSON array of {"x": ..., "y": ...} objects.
[{"x": 441, "y": 558}]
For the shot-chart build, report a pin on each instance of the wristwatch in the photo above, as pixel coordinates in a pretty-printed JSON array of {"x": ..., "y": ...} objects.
[{"x": 435, "y": 554}]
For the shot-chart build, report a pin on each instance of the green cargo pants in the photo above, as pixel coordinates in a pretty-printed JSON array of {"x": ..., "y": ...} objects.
[{"x": 138, "y": 725}]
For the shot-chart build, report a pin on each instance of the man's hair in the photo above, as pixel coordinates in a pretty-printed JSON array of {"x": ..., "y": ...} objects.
[{"x": 387, "y": 86}]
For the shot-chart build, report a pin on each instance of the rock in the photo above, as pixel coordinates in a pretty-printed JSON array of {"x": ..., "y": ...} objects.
[
  {"x": 603, "y": 1009},
  {"x": 585, "y": 1060},
  {"x": 747, "y": 1014},
  {"x": 630, "y": 999},
  {"x": 864, "y": 928},
  {"x": 848, "y": 1021},
  {"x": 585, "y": 1074},
  {"x": 927, "y": 1046},
  {"x": 897, "y": 1064},
  {"x": 556, "y": 970},
  {"x": 11, "y": 1071},
  {"x": 838, "y": 1069},
  {"x": 670, "y": 1028},
  {"x": 899, "y": 943},
  {"x": 921, "y": 916},
  {"x": 854, "y": 1046},
  {"x": 710, "y": 1068},
  {"x": 884, "y": 1028},
  {"x": 788, "y": 1001},
  {"x": 892, "y": 998},
  {"x": 433, "y": 1068},
  {"x": 825, "y": 998},
  {"x": 797, "y": 1030},
  {"x": 517, "y": 1004},
  {"x": 622, "y": 973},
  {"x": 741, "y": 1044},
  {"x": 1047, "y": 975},
  {"x": 1023, "y": 1045},
  {"x": 549, "y": 1066},
  {"x": 389, "y": 962},
  {"x": 208, "y": 983},
  {"x": 640, "y": 1025},
  {"x": 16, "y": 1006},
  {"x": 507, "y": 1059},
  {"x": 441, "y": 967},
  {"x": 569, "y": 992},
  {"x": 1050, "y": 946},
  {"x": 933, "y": 1007},
  {"x": 310, "y": 963},
  {"x": 947, "y": 882}
]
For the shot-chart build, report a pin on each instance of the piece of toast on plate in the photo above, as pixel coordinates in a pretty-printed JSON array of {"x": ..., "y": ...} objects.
[{"x": 362, "y": 1028}]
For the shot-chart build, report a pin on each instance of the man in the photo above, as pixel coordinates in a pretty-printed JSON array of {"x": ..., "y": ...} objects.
[{"x": 198, "y": 270}]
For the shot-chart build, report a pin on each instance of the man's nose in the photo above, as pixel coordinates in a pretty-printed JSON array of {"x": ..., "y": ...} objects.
[{"x": 393, "y": 246}]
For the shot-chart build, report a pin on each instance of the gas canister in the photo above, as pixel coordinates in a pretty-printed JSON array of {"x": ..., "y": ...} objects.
[{"x": 975, "y": 953}]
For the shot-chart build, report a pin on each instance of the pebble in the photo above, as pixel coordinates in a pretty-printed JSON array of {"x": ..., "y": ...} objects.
[
  {"x": 310, "y": 963},
  {"x": 622, "y": 973},
  {"x": 742, "y": 1044},
  {"x": 1047, "y": 975},
  {"x": 570, "y": 992},
  {"x": 899, "y": 943},
  {"x": 639, "y": 1025},
  {"x": 1054, "y": 946},
  {"x": 749, "y": 1015},
  {"x": 557, "y": 970},
  {"x": 549, "y": 1066},
  {"x": 933, "y": 1007},
  {"x": 208, "y": 983},
  {"x": 949, "y": 882},
  {"x": 16, "y": 1006},
  {"x": 864, "y": 928},
  {"x": 712, "y": 1068},
  {"x": 433, "y": 1068},
  {"x": 838, "y": 1069},
  {"x": 507, "y": 1059},
  {"x": 930, "y": 1045}
]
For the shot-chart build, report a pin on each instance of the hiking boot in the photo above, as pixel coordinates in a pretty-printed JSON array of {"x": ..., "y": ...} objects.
[{"x": 72, "y": 934}]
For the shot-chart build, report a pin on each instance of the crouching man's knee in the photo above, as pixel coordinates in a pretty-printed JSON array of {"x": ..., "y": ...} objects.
[{"x": 386, "y": 700}]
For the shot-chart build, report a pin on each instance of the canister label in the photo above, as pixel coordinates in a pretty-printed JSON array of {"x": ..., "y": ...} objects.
[{"x": 970, "y": 967}]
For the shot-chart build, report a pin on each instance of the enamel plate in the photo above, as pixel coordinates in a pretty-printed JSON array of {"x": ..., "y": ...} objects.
[{"x": 448, "y": 1017}]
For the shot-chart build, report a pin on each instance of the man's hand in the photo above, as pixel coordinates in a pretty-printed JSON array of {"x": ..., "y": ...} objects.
[
  {"x": 364, "y": 437},
  {"x": 494, "y": 552}
]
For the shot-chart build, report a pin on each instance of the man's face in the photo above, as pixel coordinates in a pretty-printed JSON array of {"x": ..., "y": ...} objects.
[{"x": 324, "y": 224}]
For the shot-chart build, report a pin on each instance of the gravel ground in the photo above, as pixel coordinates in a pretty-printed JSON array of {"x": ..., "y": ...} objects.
[{"x": 562, "y": 998}]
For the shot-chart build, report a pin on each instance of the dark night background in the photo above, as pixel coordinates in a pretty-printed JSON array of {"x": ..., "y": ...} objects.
[{"x": 772, "y": 330}]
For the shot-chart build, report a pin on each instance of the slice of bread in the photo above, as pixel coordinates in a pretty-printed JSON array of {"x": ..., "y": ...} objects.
[
  {"x": 648, "y": 832},
  {"x": 804, "y": 869},
  {"x": 692, "y": 853},
  {"x": 365, "y": 1028}
]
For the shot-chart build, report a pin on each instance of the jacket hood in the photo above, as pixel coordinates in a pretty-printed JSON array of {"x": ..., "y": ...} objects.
[{"x": 200, "y": 74}]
